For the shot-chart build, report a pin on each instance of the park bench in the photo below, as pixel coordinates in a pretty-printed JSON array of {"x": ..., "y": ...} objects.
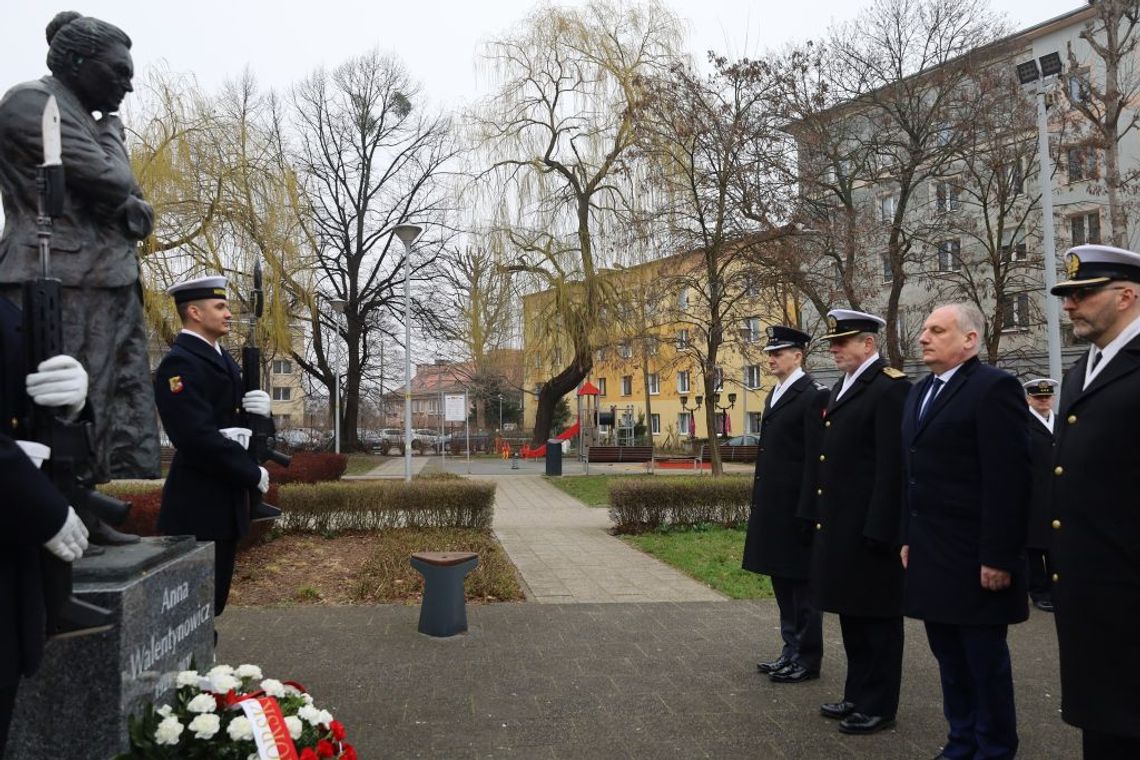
[
  {"x": 600, "y": 454},
  {"x": 731, "y": 453}
]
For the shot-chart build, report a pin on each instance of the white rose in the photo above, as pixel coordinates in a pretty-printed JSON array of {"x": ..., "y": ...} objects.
[
  {"x": 309, "y": 714},
  {"x": 205, "y": 726},
  {"x": 188, "y": 678},
  {"x": 291, "y": 691},
  {"x": 203, "y": 703},
  {"x": 168, "y": 731},
  {"x": 273, "y": 687},
  {"x": 165, "y": 711},
  {"x": 224, "y": 670},
  {"x": 295, "y": 726},
  {"x": 248, "y": 671},
  {"x": 240, "y": 729},
  {"x": 308, "y": 698},
  {"x": 221, "y": 683},
  {"x": 325, "y": 718}
]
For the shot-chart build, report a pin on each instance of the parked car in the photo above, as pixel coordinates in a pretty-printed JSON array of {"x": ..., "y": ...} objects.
[{"x": 742, "y": 440}]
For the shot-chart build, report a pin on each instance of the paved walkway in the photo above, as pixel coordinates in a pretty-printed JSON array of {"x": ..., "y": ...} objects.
[
  {"x": 564, "y": 553},
  {"x": 392, "y": 467}
]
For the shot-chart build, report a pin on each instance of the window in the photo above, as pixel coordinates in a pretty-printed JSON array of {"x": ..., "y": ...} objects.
[
  {"x": 839, "y": 172},
  {"x": 683, "y": 382},
  {"x": 654, "y": 381},
  {"x": 946, "y": 196},
  {"x": 683, "y": 299},
  {"x": 1078, "y": 86},
  {"x": 282, "y": 393},
  {"x": 752, "y": 376},
  {"x": 1013, "y": 252},
  {"x": 943, "y": 135},
  {"x": 1015, "y": 311},
  {"x": 753, "y": 422},
  {"x": 751, "y": 285},
  {"x": 282, "y": 367},
  {"x": 1082, "y": 164},
  {"x": 655, "y": 424},
  {"x": 1014, "y": 178},
  {"x": 950, "y": 256},
  {"x": 283, "y": 420},
  {"x": 601, "y": 386},
  {"x": 1085, "y": 228},
  {"x": 837, "y": 274},
  {"x": 888, "y": 273},
  {"x": 652, "y": 346},
  {"x": 685, "y": 423},
  {"x": 624, "y": 350},
  {"x": 682, "y": 339},
  {"x": 887, "y": 206},
  {"x": 599, "y": 354},
  {"x": 718, "y": 378},
  {"x": 752, "y": 329},
  {"x": 626, "y": 385}
]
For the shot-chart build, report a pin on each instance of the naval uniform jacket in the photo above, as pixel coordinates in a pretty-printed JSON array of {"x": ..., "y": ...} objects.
[
  {"x": 1096, "y": 545},
  {"x": 785, "y": 474},
  {"x": 966, "y": 497},
  {"x": 855, "y": 563},
  {"x": 198, "y": 391},
  {"x": 1040, "y": 535},
  {"x": 31, "y": 512}
]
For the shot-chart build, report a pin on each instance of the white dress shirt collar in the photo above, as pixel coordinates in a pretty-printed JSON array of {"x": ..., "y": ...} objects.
[
  {"x": 849, "y": 380},
  {"x": 1109, "y": 351},
  {"x": 214, "y": 346},
  {"x": 781, "y": 387}
]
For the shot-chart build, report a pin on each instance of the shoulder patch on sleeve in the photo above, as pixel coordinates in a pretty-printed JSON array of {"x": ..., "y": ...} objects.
[
  {"x": 893, "y": 373},
  {"x": 820, "y": 386},
  {"x": 176, "y": 385}
]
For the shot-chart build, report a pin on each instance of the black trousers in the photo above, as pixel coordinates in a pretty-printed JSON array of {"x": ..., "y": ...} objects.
[
  {"x": 1101, "y": 746},
  {"x": 1040, "y": 575},
  {"x": 801, "y": 622},
  {"x": 874, "y": 649},
  {"x": 7, "y": 704},
  {"x": 224, "y": 554}
]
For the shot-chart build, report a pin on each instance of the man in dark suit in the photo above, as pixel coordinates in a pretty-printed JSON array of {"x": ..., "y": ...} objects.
[
  {"x": 94, "y": 242},
  {"x": 855, "y": 569},
  {"x": 198, "y": 390},
  {"x": 1096, "y": 537},
  {"x": 33, "y": 512},
  {"x": 966, "y": 458},
  {"x": 778, "y": 542},
  {"x": 1040, "y": 393}
]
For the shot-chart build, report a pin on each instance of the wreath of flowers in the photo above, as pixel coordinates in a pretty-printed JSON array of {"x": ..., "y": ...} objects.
[{"x": 207, "y": 720}]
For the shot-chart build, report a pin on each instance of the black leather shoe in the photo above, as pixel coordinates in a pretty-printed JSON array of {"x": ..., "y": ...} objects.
[
  {"x": 771, "y": 667},
  {"x": 858, "y": 723},
  {"x": 262, "y": 511},
  {"x": 836, "y": 710},
  {"x": 1044, "y": 605},
  {"x": 793, "y": 672}
]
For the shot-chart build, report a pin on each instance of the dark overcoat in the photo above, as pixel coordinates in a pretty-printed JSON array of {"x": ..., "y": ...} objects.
[
  {"x": 967, "y": 497},
  {"x": 198, "y": 391},
  {"x": 1040, "y": 535},
  {"x": 855, "y": 564},
  {"x": 31, "y": 512},
  {"x": 1096, "y": 549},
  {"x": 786, "y": 460}
]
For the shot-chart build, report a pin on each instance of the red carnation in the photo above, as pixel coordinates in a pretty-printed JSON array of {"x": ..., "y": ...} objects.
[
  {"x": 325, "y": 748},
  {"x": 308, "y": 754},
  {"x": 337, "y": 729},
  {"x": 349, "y": 753}
]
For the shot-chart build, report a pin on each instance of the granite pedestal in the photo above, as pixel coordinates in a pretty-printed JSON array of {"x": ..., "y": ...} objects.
[{"x": 161, "y": 596}]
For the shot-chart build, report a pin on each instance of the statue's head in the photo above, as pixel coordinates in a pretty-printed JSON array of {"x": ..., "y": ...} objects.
[{"x": 91, "y": 57}]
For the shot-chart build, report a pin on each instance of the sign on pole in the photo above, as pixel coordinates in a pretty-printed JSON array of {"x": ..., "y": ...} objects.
[{"x": 455, "y": 407}]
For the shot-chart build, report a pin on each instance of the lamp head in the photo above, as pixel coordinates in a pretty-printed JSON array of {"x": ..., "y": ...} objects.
[
  {"x": 1027, "y": 72},
  {"x": 699, "y": 399},
  {"x": 732, "y": 399},
  {"x": 407, "y": 232}
]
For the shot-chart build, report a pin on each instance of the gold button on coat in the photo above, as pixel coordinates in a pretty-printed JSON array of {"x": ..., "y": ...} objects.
[
  {"x": 1056, "y": 577},
  {"x": 823, "y": 457},
  {"x": 1072, "y": 419},
  {"x": 1058, "y": 470},
  {"x": 819, "y": 526},
  {"x": 1056, "y": 525},
  {"x": 827, "y": 424},
  {"x": 819, "y": 492}
]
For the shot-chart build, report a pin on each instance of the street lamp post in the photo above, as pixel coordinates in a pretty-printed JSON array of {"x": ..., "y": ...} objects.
[
  {"x": 724, "y": 409},
  {"x": 1027, "y": 73},
  {"x": 692, "y": 412},
  {"x": 407, "y": 234},
  {"x": 500, "y": 414},
  {"x": 337, "y": 305}
]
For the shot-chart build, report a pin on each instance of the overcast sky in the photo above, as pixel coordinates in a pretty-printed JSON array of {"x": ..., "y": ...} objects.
[{"x": 437, "y": 39}]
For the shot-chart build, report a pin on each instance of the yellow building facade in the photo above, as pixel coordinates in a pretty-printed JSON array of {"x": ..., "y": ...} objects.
[{"x": 650, "y": 344}]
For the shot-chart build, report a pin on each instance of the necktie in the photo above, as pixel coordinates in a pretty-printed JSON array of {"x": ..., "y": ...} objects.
[
  {"x": 929, "y": 400},
  {"x": 1096, "y": 359}
]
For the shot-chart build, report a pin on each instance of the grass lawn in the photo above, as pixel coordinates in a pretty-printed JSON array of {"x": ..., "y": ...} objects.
[
  {"x": 711, "y": 555},
  {"x": 365, "y": 568},
  {"x": 592, "y": 490},
  {"x": 362, "y": 464}
]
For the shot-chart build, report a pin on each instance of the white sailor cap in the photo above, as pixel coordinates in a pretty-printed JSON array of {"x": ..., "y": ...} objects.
[
  {"x": 844, "y": 322},
  {"x": 1040, "y": 386},
  {"x": 1089, "y": 266},
  {"x": 199, "y": 288}
]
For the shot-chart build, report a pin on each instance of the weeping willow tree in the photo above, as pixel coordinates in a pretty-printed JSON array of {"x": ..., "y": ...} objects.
[{"x": 558, "y": 134}]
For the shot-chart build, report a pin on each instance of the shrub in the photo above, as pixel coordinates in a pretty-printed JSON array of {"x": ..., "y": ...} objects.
[
  {"x": 308, "y": 467},
  {"x": 145, "y": 499},
  {"x": 431, "y": 502},
  {"x": 638, "y": 505}
]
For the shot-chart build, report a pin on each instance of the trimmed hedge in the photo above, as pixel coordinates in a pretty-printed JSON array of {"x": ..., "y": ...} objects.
[
  {"x": 308, "y": 467},
  {"x": 639, "y": 505},
  {"x": 432, "y": 502}
]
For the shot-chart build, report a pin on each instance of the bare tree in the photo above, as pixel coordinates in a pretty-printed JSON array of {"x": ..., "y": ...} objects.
[{"x": 558, "y": 132}]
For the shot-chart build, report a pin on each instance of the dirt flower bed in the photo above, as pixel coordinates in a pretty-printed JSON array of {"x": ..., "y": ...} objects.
[{"x": 364, "y": 568}]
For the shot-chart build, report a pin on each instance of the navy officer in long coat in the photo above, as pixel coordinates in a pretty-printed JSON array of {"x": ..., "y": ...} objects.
[
  {"x": 1040, "y": 393},
  {"x": 855, "y": 567},
  {"x": 198, "y": 390},
  {"x": 778, "y": 542},
  {"x": 966, "y": 454},
  {"x": 1096, "y": 537}
]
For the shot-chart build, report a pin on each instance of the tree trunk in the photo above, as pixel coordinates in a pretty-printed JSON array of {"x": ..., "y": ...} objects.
[
  {"x": 710, "y": 424},
  {"x": 648, "y": 401},
  {"x": 552, "y": 391}
]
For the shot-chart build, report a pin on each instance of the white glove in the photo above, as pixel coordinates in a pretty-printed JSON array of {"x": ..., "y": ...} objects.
[
  {"x": 263, "y": 484},
  {"x": 60, "y": 381},
  {"x": 71, "y": 540},
  {"x": 256, "y": 402}
]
